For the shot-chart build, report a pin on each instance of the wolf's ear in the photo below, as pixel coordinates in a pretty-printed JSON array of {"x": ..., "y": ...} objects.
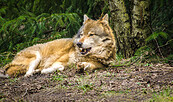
[
  {"x": 105, "y": 18},
  {"x": 85, "y": 18}
]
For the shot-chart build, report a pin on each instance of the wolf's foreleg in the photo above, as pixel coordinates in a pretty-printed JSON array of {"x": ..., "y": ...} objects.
[
  {"x": 89, "y": 66},
  {"x": 33, "y": 64},
  {"x": 53, "y": 68}
]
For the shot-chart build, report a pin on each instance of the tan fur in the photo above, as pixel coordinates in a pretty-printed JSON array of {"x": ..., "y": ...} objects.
[{"x": 97, "y": 42}]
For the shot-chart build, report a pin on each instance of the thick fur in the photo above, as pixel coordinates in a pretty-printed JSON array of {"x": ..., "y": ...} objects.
[{"x": 92, "y": 47}]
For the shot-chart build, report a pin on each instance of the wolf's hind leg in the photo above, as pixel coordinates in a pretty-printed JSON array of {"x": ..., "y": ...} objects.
[
  {"x": 53, "y": 68},
  {"x": 15, "y": 70},
  {"x": 33, "y": 64}
]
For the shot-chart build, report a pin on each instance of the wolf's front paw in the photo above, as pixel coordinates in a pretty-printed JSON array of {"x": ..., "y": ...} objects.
[
  {"x": 82, "y": 66},
  {"x": 28, "y": 74}
]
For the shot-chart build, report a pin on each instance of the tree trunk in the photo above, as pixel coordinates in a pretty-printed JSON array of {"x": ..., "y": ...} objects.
[
  {"x": 131, "y": 28},
  {"x": 140, "y": 21}
]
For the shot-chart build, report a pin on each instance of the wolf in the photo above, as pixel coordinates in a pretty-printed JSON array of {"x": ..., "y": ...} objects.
[{"x": 91, "y": 48}]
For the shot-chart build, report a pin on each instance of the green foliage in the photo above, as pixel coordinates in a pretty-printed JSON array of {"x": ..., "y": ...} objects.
[
  {"x": 161, "y": 24},
  {"x": 27, "y": 30},
  {"x": 160, "y": 42},
  {"x": 143, "y": 51},
  {"x": 5, "y": 58},
  {"x": 24, "y": 23}
]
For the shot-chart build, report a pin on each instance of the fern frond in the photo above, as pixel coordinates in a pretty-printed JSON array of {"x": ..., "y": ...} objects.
[
  {"x": 155, "y": 35},
  {"x": 163, "y": 35},
  {"x": 142, "y": 50},
  {"x": 152, "y": 37}
]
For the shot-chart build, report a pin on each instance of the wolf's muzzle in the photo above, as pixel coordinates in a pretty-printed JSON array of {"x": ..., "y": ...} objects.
[{"x": 79, "y": 44}]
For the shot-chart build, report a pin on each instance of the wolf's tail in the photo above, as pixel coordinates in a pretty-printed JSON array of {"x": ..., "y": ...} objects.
[{"x": 14, "y": 70}]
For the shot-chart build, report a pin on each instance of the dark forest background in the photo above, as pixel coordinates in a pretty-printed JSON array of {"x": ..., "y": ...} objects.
[{"x": 24, "y": 23}]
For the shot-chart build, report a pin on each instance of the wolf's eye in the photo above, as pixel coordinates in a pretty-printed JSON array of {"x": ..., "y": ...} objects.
[
  {"x": 80, "y": 35},
  {"x": 106, "y": 39},
  {"x": 91, "y": 34}
]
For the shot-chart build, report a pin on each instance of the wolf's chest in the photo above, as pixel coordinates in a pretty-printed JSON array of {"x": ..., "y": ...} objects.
[{"x": 72, "y": 59}]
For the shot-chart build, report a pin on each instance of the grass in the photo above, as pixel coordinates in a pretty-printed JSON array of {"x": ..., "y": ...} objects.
[
  {"x": 84, "y": 84},
  {"x": 12, "y": 80},
  {"x": 165, "y": 95},
  {"x": 58, "y": 77},
  {"x": 86, "y": 87},
  {"x": 81, "y": 82},
  {"x": 5, "y": 58}
]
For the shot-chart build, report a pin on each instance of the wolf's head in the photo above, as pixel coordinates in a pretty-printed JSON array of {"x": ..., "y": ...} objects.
[{"x": 95, "y": 38}]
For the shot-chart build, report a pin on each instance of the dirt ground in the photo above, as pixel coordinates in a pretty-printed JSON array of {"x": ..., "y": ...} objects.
[{"x": 132, "y": 83}]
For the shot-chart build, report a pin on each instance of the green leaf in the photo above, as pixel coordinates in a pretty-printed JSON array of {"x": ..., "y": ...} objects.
[
  {"x": 36, "y": 39},
  {"x": 163, "y": 34}
]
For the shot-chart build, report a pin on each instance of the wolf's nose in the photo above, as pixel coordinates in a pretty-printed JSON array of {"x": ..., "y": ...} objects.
[{"x": 79, "y": 44}]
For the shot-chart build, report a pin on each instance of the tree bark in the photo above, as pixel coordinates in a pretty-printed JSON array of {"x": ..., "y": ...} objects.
[
  {"x": 121, "y": 26},
  {"x": 131, "y": 28},
  {"x": 140, "y": 21}
]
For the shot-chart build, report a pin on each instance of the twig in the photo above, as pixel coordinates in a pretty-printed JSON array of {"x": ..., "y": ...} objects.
[
  {"x": 167, "y": 43},
  {"x": 3, "y": 76},
  {"x": 25, "y": 92},
  {"x": 158, "y": 48}
]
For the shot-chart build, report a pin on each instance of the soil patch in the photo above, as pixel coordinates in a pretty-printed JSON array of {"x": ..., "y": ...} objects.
[{"x": 133, "y": 83}]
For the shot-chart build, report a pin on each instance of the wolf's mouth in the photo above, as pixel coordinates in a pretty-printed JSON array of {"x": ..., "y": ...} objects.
[{"x": 84, "y": 51}]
